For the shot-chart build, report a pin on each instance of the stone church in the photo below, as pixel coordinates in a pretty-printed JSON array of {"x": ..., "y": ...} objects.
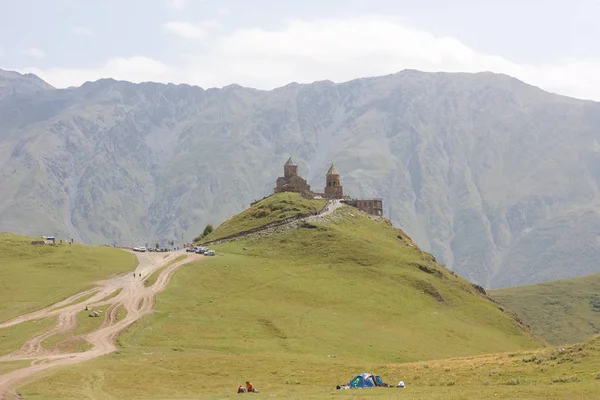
[{"x": 292, "y": 182}]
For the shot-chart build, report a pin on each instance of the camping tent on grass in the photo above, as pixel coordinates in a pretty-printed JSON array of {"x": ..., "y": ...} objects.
[
  {"x": 366, "y": 380},
  {"x": 363, "y": 380}
]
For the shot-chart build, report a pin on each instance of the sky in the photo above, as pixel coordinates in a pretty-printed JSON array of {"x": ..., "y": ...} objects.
[{"x": 265, "y": 44}]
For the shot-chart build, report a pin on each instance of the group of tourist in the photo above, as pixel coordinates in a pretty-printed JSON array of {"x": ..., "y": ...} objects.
[{"x": 248, "y": 389}]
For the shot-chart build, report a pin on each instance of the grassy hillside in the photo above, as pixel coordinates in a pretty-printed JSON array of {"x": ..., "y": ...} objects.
[
  {"x": 32, "y": 277},
  {"x": 297, "y": 313},
  {"x": 566, "y": 311},
  {"x": 274, "y": 208}
]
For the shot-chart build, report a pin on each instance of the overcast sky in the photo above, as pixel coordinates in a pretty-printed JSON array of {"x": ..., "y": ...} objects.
[{"x": 553, "y": 44}]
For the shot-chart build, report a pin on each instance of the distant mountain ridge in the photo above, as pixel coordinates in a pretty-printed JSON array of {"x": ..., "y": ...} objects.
[
  {"x": 498, "y": 179},
  {"x": 14, "y": 83}
]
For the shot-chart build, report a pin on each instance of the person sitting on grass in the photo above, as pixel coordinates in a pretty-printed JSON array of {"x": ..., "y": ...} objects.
[
  {"x": 241, "y": 389},
  {"x": 250, "y": 388}
]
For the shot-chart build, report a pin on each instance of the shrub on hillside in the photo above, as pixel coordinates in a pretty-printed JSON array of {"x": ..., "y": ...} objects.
[
  {"x": 595, "y": 303},
  {"x": 513, "y": 382},
  {"x": 566, "y": 379},
  {"x": 207, "y": 231},
  {"x": 479, "y": 288},
  {"x": 532, "y": 358},
  {"x": 261, "y": 213}
]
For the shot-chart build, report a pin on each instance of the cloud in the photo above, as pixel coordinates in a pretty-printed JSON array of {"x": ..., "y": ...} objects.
[
  {"x": 33, "y": 52},
  {"x": 82, "y": 30},
  {"x": 135, "y": 69},
  {"x": 187, "y": 30},
  {"x": 224, "y": 12},
  {"x": 177, "y": 4},
  {"x": 335, "y": 49}
]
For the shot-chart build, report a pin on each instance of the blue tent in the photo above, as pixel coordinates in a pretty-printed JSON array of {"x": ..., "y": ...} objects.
[{"x": 363, "y": 380}]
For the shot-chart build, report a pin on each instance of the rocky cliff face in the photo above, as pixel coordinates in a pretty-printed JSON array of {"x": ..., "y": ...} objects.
[{"x": 498, "y": 179}]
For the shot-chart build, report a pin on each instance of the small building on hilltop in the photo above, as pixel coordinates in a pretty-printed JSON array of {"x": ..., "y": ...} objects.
[
  {"x": 372, "y": 206},
  {"x": 333, "y": 185},
  {"x": 291, "y": 181}
]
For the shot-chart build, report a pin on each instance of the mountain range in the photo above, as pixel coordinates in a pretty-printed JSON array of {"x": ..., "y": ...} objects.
[{"x": 497, "y": 178}]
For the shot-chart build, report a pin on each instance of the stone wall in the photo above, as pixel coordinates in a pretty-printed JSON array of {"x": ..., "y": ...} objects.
[
  {"x": 265, "y": 227},
  {"x": 371, "y": 206}
]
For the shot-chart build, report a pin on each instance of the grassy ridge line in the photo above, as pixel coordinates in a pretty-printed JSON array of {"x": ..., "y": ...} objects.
[
  {"x": 565, "y": 311},
  {"x": 33, "y": 277},
  {"x": 276, "y": 208},
  {"x": 353, "y": 287}
]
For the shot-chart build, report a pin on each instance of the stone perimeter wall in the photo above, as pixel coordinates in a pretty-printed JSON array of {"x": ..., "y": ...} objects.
[{"x": 267, "y": 226}]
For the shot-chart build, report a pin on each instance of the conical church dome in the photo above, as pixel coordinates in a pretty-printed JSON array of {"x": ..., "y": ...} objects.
[{"x": 332, "y": 170}]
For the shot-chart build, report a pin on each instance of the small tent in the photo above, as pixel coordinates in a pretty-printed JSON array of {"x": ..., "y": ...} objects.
[{"x": 363, "y": 380}]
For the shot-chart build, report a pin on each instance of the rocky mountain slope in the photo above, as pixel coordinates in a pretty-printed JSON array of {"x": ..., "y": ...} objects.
[{"x": 496, "y": 178}]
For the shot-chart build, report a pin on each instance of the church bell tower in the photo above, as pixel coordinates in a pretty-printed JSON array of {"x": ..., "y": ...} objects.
[{"x": 333, "y": 186}]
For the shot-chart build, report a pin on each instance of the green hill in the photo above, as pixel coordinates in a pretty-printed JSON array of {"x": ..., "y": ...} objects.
[
  {"x": 565, "y": 311},
  {"x": 32, "y": 277},
  {"x": 277, "y": 207},
  {"x": 296, "y": 311}
]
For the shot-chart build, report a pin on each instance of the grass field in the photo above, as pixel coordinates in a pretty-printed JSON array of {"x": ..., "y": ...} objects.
[
  {"x": 32, "y": 277},
  {"x": 14, "y": 337},
  {"x": 566, "y": 311},
  {"x": 274, "y": 208},
  {"x": 573, "y": 374},
  {"x": 302, "y": 311},
  {"x": 8, "y": 366}
]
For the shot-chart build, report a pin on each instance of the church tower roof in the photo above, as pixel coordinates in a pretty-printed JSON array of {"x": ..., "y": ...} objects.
[
  {"x": 290, "y": 162},
  {"x": 332, "y": 170}
]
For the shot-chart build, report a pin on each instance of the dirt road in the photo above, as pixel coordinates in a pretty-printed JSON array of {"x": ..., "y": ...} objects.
[{"x": 123, "y": 291}]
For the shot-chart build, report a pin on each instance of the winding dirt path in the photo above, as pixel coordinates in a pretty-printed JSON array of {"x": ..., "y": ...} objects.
[
  {"x": 133, "y": 296},
  {"x": 332, "y": 205}
]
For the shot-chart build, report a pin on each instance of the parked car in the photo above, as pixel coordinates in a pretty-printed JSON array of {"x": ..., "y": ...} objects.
[
  {"x": 191, "y": 249},
  {"x": 201, "y": 250},
  {"x": 139, "y": 248},
  {"x": 210, "y": 253}
]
